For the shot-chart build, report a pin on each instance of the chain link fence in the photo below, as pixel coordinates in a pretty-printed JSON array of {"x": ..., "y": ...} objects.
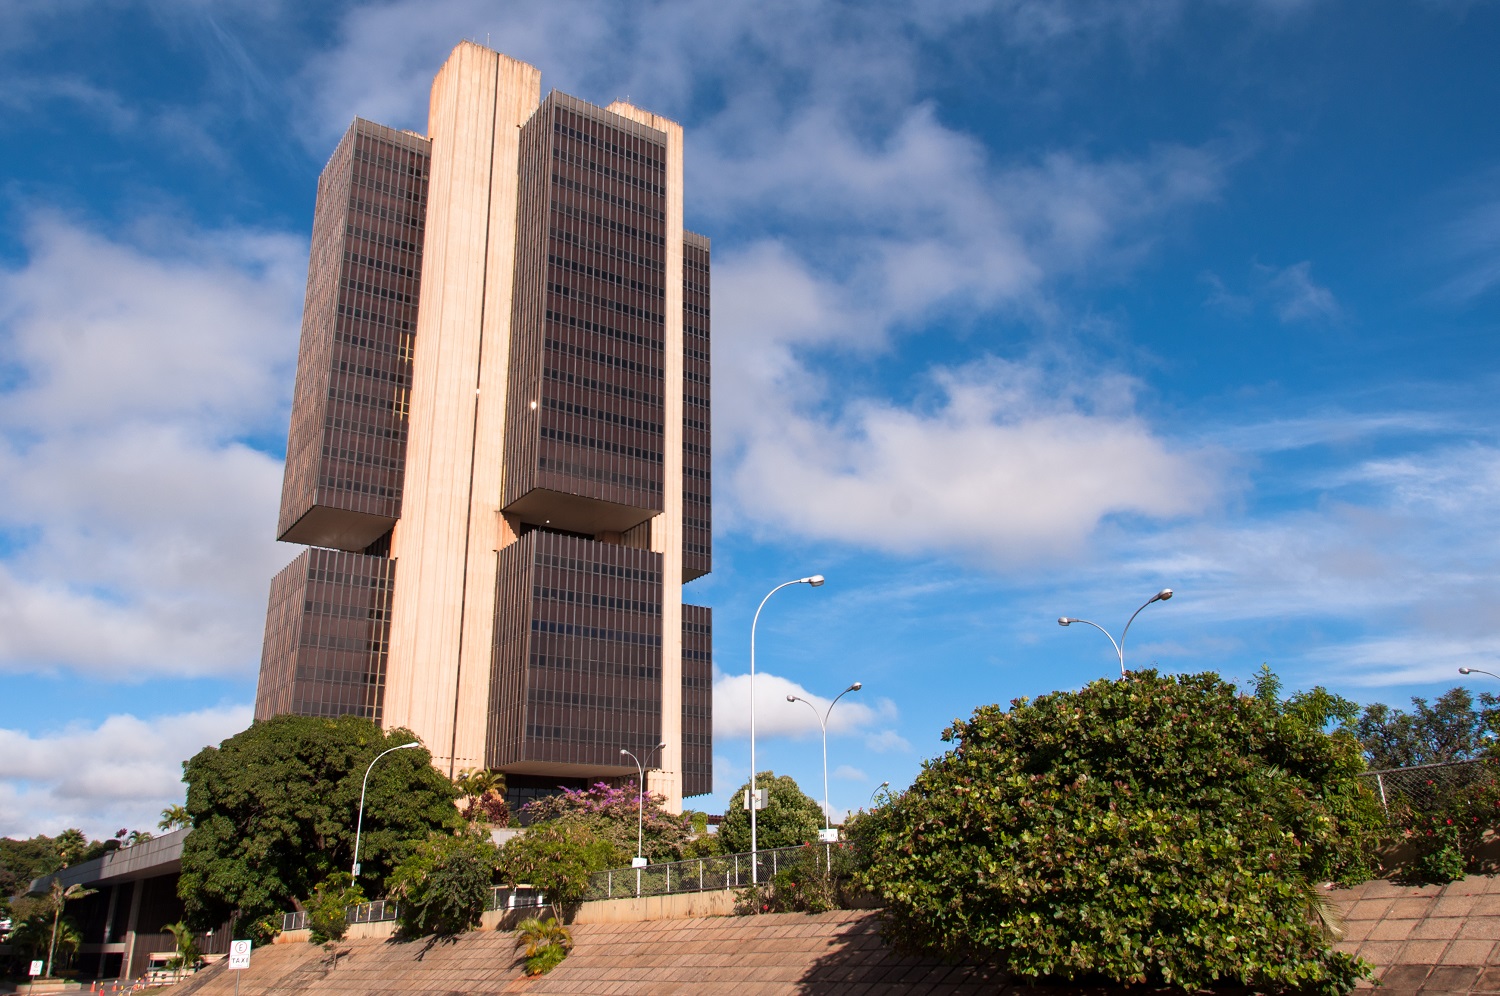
[
  {"x": 1424, "y": 787},
  {"x": 381, "y": 910},
  {"x": 727, "y": 871}
]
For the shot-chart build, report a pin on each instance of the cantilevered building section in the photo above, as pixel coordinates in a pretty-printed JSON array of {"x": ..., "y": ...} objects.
[{"x": 500, "y": 442}]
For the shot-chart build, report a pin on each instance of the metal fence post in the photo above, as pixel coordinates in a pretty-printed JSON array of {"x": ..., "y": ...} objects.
[
  {"x": 1380, "y": 783},
  {"x": 609, "y": 884},
  {"x": 700, "y": 874}
]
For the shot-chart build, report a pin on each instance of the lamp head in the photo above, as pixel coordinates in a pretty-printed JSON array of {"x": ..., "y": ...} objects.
[
  {"x": 856, "y": 686},
  {"x": 662, "y": 745},
  {"x": 816, "y": 580},
  {"x": 1065, "y": 620},
  {"x": 1163, "y": 595},
  {"x": 791, "y": 698},
  {"x": 414, "y": 743},
  {"x": 624, "y": 751},
  {"x": 1465, "y": 670}
]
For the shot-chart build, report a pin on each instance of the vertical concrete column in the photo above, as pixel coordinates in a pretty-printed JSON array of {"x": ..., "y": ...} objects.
[
  {"x": 666, "y": 529},
  {"x": 437, "y": 678}
]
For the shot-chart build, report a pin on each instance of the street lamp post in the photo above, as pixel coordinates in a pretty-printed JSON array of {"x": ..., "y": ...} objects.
[
  {"x": 815, "y": 581},
  {"x": 823, "y": 722},
  {"x": 1160, "y": 596},
  {"x": 1475, "y": 670},
  {"x": 640, "y": 803},
  {"x": 360, "y": 825}
]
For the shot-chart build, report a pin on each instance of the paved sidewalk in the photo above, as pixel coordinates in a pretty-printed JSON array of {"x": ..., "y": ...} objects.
[{"x": 1431, "y": 938}]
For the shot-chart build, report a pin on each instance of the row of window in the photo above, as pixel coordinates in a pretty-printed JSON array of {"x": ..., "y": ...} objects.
[
  {"x": 606, "y": 249},
  {"x": 604, "y": 359},
  {"x": 383, "y": 264},
  {"x": 400, "y": 350},
  {"x": 385, "y": 214},
  {"x": 618, "y": 227},
  {"x": 602, "y": 476},
  {"x": 649, "y": 672},
  {"x": 568, "y": 183},
  {"x": 602, "y": 143},
  {"x": 390, "y": 241},
  {"x": 603, "y": 570},
  {"x": 558, "y": 318},
  {"x": 373, "y": 317},
  {"x": 596, "y": 601},
  {"x": 374, "y": 373},
  {"x": 608, "y": 276},
  {"x": 591, "y": 443},
  {"x": 608, "y": 304},
  {"x": 359, "y": 487},
  {"x": 577, "y": 380},
  {"x": 581, "y": 162},
  {"x": 583, "y": 411},
  {"x": 362, "y": 458},
  {"x": 365, "y": 428}
]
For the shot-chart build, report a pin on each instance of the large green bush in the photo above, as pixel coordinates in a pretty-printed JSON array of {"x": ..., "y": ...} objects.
[
  {"x": 791, "y": 817},
  {"x": 444, "y": 883},
  {"x": 558, "y": 858},
  {"x": 1157, "y": 830}
]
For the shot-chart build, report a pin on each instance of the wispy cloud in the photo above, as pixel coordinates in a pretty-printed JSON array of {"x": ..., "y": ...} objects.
[{"x": 1288, "y": 292}]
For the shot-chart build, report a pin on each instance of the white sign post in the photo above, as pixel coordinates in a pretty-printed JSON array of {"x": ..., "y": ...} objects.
[
  {"x": 239, "y": 957},
  {"x": 36, "y": 969}
]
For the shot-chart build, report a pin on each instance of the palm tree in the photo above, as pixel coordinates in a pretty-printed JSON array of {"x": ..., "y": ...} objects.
[
  {"x": 60, "y": 897},
  {"x": 187, "y": 948},
  {"x": 476, "y": 783},
  {"x": 173, "y": 817},
  {"x": 547, "y": 942}
]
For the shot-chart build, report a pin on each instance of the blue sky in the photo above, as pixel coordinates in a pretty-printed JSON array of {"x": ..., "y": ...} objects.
[{"x": 1021, "y": 309}]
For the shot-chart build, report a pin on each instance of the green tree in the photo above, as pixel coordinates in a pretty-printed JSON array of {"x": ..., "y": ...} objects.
[
  {"x": 1450, "y": 729},
  {"x": 558, "y": 858},
  {"x": 274, "y": 808},
  {"x": 328, "y": 906},
  {"x": 1157, "y": 830},
  {"x": 791, "y": 817},
  {"x": 442, "y": 886}
]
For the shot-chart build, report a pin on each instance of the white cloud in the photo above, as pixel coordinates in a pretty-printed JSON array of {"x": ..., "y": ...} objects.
[
  {"x": 1009, "y": 466},
  {"x": 137, "y": 519},
  {"x": 848, "y": 772},
  {"x": 887, "y": 741},
  {"x": 776, "y": 717},
  {"x": 1296, "y": 297},
  {"x": 121, "y": 773}
]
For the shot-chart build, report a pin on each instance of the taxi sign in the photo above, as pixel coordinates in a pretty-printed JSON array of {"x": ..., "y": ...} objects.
[{"x": 239, "y": 954}]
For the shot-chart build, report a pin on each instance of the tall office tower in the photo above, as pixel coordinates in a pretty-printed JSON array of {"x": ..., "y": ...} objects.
[{"x": 499, "y": 449}]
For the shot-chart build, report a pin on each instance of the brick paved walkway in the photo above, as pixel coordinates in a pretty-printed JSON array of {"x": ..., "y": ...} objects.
[
  {"x": 1432, "y": 938},
  {"x": 1429, "y": 940}
]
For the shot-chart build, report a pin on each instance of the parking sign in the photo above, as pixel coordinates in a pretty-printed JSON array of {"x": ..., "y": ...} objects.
[{"x": 239, "y": 954}]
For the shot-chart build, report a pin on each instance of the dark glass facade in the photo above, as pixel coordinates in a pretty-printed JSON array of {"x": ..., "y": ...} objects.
[
  {"x": 346, "y": 448},
  {"x": 697, "y": 452},
  {"x": 585, "y": 433},
  {"x": 697, "y": 700},
  {"x": 576, "y": 671},
  {"x": 327, "y": 632}
]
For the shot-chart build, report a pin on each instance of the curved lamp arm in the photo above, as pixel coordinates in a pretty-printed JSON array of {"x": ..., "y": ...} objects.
[{"x": 360, "y": 825}]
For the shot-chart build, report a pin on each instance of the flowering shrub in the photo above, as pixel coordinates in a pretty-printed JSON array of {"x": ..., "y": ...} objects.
[
  {"x": 609, "y": 813},
  {"x": 1447, "y": 828}
]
